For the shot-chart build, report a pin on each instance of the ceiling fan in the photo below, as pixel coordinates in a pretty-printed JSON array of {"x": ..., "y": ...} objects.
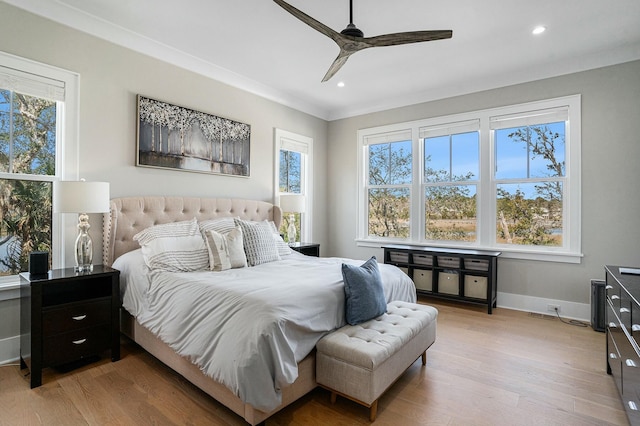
[{"x": 352, "y": 39}]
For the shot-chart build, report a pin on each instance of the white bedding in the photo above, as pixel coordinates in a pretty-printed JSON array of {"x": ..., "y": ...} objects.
[{"x": 247, "y": 328}]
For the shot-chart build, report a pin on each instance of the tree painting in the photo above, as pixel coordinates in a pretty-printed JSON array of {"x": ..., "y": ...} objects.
[{"x": 180, "y": 138}]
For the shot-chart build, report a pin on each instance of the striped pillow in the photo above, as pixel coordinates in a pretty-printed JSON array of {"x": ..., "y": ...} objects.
[
  {"x": 175, "y": 247},
  {"x": 221, "y": 225},
  {"x": 258, "y": 241}
]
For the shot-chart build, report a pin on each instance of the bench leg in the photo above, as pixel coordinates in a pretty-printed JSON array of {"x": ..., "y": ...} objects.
[
  {"x": 373, "y": 411},
  {"x": 424, "y": 358},
  {"x": 333, "y": 397}
]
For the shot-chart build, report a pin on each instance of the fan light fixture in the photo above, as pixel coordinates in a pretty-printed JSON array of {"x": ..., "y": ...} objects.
[{"x": 352, "y": 39}]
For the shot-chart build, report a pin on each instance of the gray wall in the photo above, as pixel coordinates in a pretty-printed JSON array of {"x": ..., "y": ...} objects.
[{"x": 610, "y": 176}]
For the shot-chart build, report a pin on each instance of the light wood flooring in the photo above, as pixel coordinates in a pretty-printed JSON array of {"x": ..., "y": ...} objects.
[{"x": 509, "y": 368}]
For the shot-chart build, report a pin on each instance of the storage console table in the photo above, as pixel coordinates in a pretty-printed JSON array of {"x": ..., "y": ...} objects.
[
  {"x": 623, "y": 337},
  {"x": 464, "y": 275},
  {"x": 66, "y": 316}
]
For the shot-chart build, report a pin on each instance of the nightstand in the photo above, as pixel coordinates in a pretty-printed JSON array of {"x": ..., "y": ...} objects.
[
  {"x": 66, "y": 316},
  {"x": 309, "y": 249}
]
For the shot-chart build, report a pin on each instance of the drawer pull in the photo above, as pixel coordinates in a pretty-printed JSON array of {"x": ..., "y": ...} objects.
[
  {"x": 79, "y": 317},
  {"x": 609, "y": 287},
  {"x": 632, "y": 406},
  {"x": 613, "y": 325},
  {"x": 615, "y": 297},
  {"x": 630, "y": 363},
  {"x": 78, "y": 342},
  {"x": 635, "y": 327},
  {"x": 624, "y": 310},
  {"x": 613, "y": 356}
]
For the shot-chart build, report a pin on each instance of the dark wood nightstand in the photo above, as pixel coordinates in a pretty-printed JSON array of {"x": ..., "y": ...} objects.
[
  {"x": 66, "y": 316},
  {"x": 309, "y": 249}
]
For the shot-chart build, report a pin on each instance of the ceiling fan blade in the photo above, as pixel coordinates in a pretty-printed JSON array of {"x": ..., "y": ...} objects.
[
  {"x": 407, "y": 37},
  {"x": 316, "y": 25},
  {"x": 337, "y": 64}
]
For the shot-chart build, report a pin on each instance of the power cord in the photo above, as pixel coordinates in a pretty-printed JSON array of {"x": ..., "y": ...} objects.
[{"x": 571, "y": 322}]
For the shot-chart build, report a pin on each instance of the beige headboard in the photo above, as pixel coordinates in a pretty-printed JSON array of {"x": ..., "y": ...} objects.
[{"x": 130, "y": 215}]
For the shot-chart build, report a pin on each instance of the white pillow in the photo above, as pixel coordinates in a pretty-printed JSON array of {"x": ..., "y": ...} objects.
[
  {"x": 226, "y": 251},
  {"x": 176, "y": 247},
  {"x": 283, "y": 248},
  {"x": 258, "y": 241}
]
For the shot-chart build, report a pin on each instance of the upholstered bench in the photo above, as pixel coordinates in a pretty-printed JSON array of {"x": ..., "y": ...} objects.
[{"x": 361, "y": 361}]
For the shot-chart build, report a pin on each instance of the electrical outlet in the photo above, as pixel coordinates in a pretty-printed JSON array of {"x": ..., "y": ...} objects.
[{"x": 553, "y": 308}]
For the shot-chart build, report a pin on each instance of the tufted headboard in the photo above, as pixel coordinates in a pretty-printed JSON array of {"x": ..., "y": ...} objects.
[{"x": 130, "y": 215}]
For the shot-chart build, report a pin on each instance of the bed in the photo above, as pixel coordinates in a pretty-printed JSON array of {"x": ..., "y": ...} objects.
[{"x": 165, "y": 314}]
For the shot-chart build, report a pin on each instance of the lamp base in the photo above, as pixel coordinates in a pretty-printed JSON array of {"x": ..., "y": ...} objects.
[{"x": 84, "y": 246}]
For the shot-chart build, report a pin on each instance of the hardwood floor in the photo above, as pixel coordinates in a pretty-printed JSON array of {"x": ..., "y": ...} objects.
[{"x": 509, "y": 368}]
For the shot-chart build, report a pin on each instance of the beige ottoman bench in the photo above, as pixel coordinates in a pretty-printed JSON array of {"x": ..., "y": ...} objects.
[{"x": 361, "y": 361}]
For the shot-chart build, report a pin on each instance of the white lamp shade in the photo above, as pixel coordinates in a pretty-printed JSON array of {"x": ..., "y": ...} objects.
[
  {"x": 80, "y": 197},
  {"x": 292, "y": 203}
]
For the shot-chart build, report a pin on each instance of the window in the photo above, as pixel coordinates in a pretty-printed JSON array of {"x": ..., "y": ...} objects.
[
  {"x": 37, "y": 116},
  {"x": 505, "y": 178},
  {"x": 293, "y": 176},
  {"x": 450, "y": 179},
  {"x": 389, "y": 172}
]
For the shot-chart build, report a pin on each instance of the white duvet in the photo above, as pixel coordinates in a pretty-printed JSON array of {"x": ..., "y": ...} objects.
[{"x": 247, "y": 328}]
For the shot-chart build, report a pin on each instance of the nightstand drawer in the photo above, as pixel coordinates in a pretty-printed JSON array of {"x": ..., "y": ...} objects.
[
  {"x": 75, "y": 316},
  {"x": 65, "y": 347}
]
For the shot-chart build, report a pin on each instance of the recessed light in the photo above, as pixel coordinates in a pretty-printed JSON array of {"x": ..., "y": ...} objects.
[
  {"x": 538, "y": 30},
  {"x": 341, "y": 84}
]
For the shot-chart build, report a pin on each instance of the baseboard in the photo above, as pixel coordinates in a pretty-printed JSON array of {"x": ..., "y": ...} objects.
[
  {"x": 9, "y": 350},
  {"x": 572, "y": 310}
]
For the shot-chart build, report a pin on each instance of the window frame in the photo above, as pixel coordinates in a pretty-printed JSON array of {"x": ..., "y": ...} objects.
[
  {"x": 487, "y": 184},
  {"x": 284, "y": 139},
  {"x": 67, "y": 147}
]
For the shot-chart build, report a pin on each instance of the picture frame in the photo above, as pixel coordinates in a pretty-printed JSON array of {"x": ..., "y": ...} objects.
[{"x": 179, "y": 138}]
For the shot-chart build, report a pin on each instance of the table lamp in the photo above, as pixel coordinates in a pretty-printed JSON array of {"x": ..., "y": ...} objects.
[
  {"x": 81, "y": 197},
  {"x": 292, "y": 203}
]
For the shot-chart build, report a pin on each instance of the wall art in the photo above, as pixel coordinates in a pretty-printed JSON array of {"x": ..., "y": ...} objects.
[{"x": 175, "y": 137}]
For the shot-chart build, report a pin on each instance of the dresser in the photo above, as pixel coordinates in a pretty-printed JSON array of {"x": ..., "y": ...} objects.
[
  {"x": 623, "y": 337},
  {"x": 67, "y": 316}
]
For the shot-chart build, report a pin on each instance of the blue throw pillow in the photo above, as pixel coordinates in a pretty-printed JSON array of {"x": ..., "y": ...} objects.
[{"x": 363, "y": 290}]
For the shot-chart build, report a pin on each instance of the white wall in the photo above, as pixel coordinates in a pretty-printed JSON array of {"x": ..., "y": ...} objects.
[
  {"x": 110, "y": 78},
  {"x": 610, "y": 182}
]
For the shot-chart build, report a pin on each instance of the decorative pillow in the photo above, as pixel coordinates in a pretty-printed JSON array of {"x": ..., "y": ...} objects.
[
  {"x": 221, "y": 225},
  {"x": 258, "y": 241},
  {"x": 176, "y": 247},
  {"x": 226, "y": 251},
  {"x": 364, "y": 292},
  {"x": 176, "y": 254},
  {"x": 283, "y": 248}
]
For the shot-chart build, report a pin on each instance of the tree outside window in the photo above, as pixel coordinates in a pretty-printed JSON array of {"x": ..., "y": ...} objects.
[
  {"x": 290, "y": 182},
  {"x": 389, "y": 189},
  {"x": 530, "y": 171},
  {"x": 27, "y": 153}
]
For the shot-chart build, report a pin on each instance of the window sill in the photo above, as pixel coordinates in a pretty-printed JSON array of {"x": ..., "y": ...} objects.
[
  {"x": 10, "y": 289},
  {"x": 507, "y": 252}
]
